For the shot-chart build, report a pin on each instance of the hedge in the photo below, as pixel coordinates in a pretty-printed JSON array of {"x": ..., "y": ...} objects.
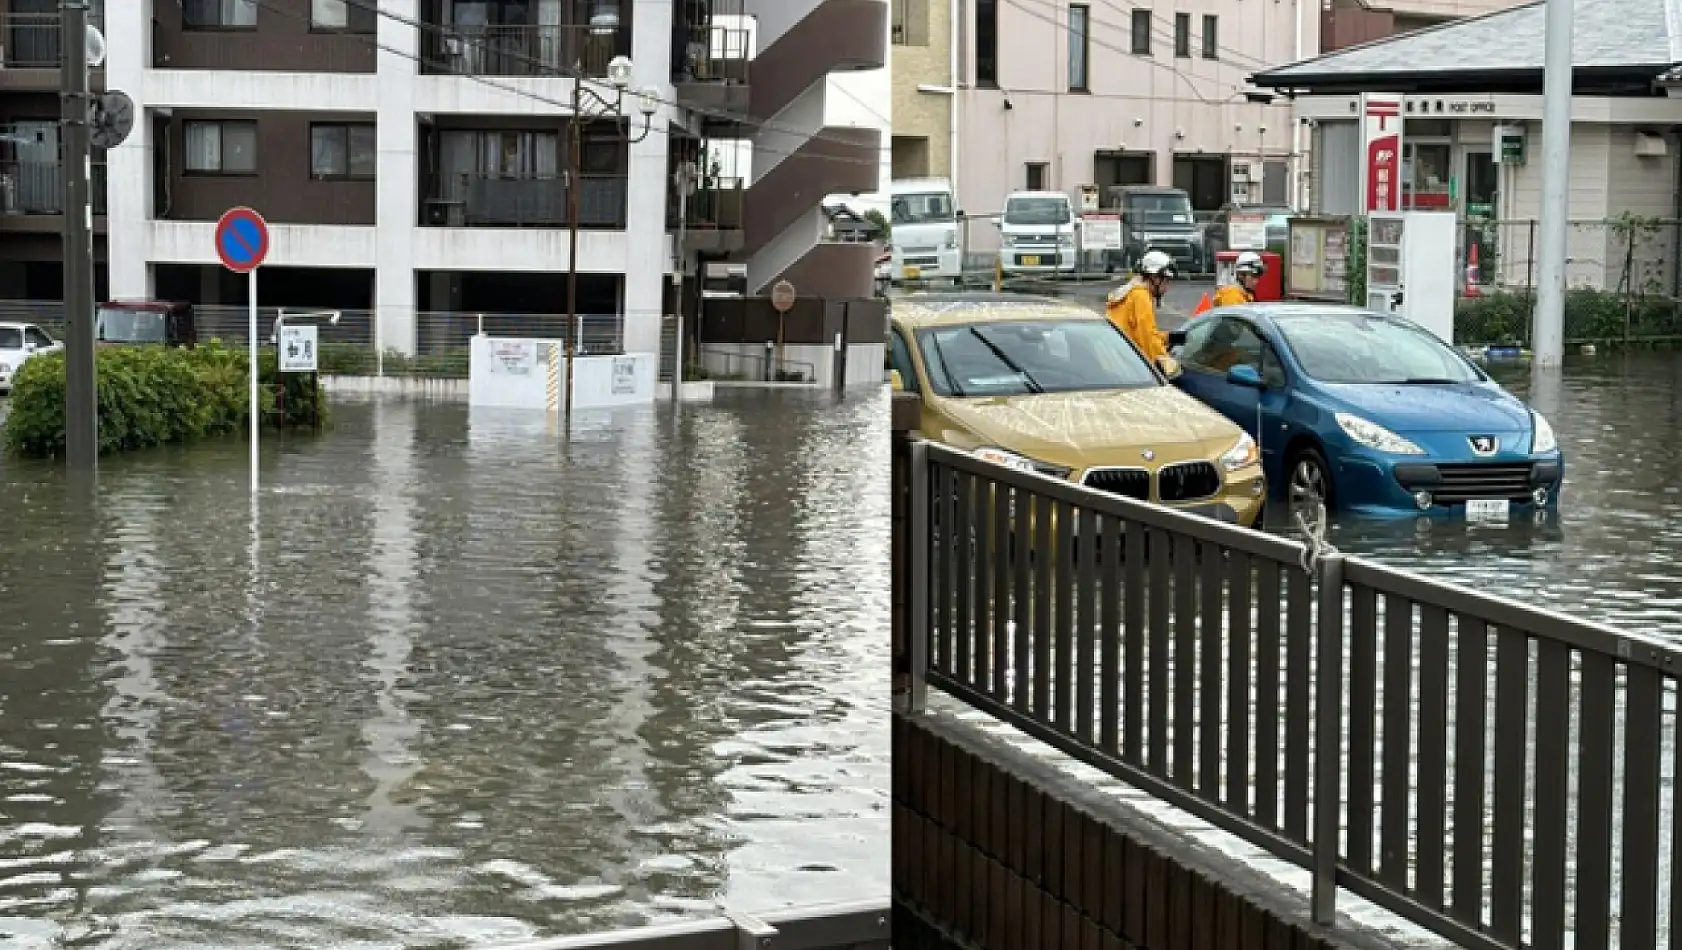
[
  {"x": 1598, "y": 316},
  {"x": 349, "y": 359},
  {"x": 152, "y": 395}
]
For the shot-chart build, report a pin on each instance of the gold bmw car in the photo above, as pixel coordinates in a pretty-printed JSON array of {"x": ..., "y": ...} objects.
[{"x": 1044, "y": 385}]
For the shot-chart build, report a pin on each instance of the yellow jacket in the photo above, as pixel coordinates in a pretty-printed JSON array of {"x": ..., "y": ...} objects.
[
  {"x": 1132, "y": 309},
  {"x": 1233, "y": 294}
]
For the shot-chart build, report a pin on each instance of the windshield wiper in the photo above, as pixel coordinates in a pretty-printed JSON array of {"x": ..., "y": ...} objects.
[
  {"x": 1427, "y": 381},
  {"x": 945, "y": 367},
  {"x": 1012, "y": 365}
]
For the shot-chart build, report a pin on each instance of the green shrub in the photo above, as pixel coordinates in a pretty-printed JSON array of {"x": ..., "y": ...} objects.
[
  {"x": 152, "y": 395},
  {"x": 349, "y": 359},
  {"x": 1503, "y": 318}
]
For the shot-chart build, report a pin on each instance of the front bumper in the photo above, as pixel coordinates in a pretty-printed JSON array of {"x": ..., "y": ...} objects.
[
  {"x": 1377, "y": 484},
  {"x": 927, "y": 265},
  {"x": 1031, "y": 260}
]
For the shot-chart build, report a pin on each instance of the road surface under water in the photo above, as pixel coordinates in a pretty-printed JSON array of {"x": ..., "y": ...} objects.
[
  {"x": 484, "y": 683},
  {"x": 480, "y": 685}
]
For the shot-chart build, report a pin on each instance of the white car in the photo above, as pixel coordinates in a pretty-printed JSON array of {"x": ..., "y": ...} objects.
[{"x": 18, "y": 342}]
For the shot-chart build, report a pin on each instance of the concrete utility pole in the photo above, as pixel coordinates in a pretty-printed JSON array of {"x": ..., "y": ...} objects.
[
  {"x": 81, "y": 419},
  {"x": 1548, "y": 334}
]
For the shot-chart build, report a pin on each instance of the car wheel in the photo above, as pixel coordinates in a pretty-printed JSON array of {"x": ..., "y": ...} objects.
[{"x": 1309, "y": 486}]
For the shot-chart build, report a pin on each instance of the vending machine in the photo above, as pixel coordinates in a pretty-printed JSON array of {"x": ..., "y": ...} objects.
[{"x": 1411, "y": 267}]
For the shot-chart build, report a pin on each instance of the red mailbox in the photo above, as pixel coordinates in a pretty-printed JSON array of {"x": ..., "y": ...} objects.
[{"x": 1270, "y": 287}]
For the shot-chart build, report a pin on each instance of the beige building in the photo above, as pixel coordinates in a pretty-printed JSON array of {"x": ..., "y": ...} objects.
[{"x": 924, "y": 76}]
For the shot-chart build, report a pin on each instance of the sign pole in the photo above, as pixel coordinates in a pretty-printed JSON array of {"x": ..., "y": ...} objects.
[
  {"x": 242, "y": 243},
  {"x": 256, "y": 411}
]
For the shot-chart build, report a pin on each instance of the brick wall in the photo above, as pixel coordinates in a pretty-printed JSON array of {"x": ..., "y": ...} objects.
[{"x": 922, "y": 114}]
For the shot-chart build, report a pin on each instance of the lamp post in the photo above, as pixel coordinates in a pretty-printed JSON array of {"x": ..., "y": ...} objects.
[{"x": 619, "y": 74}]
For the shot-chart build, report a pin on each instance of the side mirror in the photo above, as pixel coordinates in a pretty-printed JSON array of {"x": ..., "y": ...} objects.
[
  {"x": 1244, "y": 375},
  {"x": 895, "y": 381},
  {"x": 1176, "y": 338},
  {"x": 1170, "y": 366}
]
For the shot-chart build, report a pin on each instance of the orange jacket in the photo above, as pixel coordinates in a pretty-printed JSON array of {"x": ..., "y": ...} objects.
[
  {"x": 1133, "y": 310},
  {"x": 1233, "y": 294}
]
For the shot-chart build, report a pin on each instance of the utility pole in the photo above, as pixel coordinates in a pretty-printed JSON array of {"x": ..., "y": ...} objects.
[
  {"x": 1548, "y": 336},
  {"x": 575, "y": 161},
  {"x": 81, "y": 408}
]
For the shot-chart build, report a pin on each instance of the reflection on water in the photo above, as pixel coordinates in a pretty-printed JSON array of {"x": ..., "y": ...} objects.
[
  {"x": 1613, "y": 553},
  {"x": 482, "y": 684}
]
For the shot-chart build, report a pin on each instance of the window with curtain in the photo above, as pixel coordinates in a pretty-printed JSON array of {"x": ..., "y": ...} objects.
[
  {"x": 220, "y": 148},
  {"x": 219, "y": 14},
  {"x": 350, "y": 16},
  {"x": 1182, "y": 35},
  {"x": 1211, "y": 36},
  {"x": 343, "y": 151},
  {"x": 1080, "y": 46},
  {"x": 1142, "y": 32}
]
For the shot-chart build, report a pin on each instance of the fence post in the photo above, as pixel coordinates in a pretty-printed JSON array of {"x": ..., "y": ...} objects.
[
  {"x": 909, "y": 555},
  {"x": 1328, "y": 737}
]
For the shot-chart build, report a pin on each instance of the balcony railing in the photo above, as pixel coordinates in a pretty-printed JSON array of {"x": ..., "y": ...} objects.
[
  {"x": 34, "y": 40},
  {"x": 715, "y": 207},
  {"x": 710, "y": 52},
  {"x": 469, "y": 201},
  {"x": 38, "y": 188},
  {"x": 524, "y": 50}
]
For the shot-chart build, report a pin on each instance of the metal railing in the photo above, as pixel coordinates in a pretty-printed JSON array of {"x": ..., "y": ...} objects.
[
  {"x": 717, "y": 363},
  {"x": 858, "y": 926},
  {"x": 35, "y": 40},
  {"x": 713, "y": 53},
  {"x": 534, "y": 51},
  {"x": 488, "y": 201},
  {"x": 1454, "y": 757},
  {"x": 31, "y": 187}
]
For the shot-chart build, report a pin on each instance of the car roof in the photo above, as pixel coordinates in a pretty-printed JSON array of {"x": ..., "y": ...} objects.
[{"x": 927, "y": 310}]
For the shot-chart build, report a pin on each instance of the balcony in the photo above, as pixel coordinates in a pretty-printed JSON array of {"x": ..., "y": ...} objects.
[
  {"x": 520, "y": 51},
  {"x": 480, "y": 201},
  {"x": 32, "y": 192},
  {"x": 710, "y": 66},
  {"x": 32, "y": 48},
  {"x": 714, "y": 220}
]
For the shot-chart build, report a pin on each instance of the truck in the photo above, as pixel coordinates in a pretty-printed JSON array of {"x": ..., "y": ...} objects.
[
  {"x": 1157, "y": 217},
  {"x": 925, "y": 241}
]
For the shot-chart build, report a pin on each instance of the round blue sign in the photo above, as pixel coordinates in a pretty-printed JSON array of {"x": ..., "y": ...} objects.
[{"x": 242, "y": 240}]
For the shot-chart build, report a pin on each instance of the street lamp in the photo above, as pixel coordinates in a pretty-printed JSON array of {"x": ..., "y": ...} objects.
[{"x": 619, "y": 73}]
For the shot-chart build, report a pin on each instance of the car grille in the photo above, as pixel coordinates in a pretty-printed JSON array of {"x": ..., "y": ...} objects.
[
  {"x": 1465, "y": 481},
  {"x": 1129, "y": 482},
  {"x": 1187, "y": 481},
  {"x": 921, "y": 260}
]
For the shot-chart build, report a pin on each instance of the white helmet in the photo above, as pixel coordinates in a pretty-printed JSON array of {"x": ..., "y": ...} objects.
[
  {"x": 1156, "y": 264},
  {"x": 1250, "y": 262}
]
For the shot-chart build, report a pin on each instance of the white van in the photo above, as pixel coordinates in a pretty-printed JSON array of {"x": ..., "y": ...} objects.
[
  {"x": 925, "y": 231},
  {"x": 1037, "y": 234}
]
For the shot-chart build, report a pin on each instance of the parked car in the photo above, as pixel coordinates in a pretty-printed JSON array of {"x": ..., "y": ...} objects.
[
  {"x": 140, "y": 322},
  {"x": 1369, "y": 413},
  {"x": 19, "y": 342},
  {"x": 1154, "y": 217},
  {"x": 1051, "y": 387}
]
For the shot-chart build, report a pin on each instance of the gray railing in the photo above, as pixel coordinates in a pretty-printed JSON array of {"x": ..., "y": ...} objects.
[
  {"x": 490, "y": 201},
  {"x": 524, "y": 50},
  {"x": 858, "y": 926},
  {"x": 1454, "y": 757},
  {"x": 28, "y": 187},
  {"x": 35, "y": 40}
]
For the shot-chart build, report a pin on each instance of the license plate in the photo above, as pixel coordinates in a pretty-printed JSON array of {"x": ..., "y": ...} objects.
[
  {"x": 1031, "y": 260},
  {"x": 1487, "y": 509},
  {"x": 913, "y": 273}
]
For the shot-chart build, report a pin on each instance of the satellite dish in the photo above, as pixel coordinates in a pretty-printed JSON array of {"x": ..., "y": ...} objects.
[
  {"x": 112, "y": 119},
  {"x": 96, "y": 47}
]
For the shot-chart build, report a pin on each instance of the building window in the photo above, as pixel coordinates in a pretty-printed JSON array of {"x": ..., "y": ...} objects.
[
  {"x": 987, "y": 43},
  {"x": 343, "y": 151},
  {"x": 1080, "y": 46},
  {"x": 1142, "y": 32},
  {"x": 219, "y": 14},
  {"x": 1182, "y": 35},
  {"x": 348, "y": 16},
  {"x": 911, "y": 22},
  {"x": 1211, "y": 36},
  {"x": 221, "y": 148},
  {"x": 1037, "y": 174}
]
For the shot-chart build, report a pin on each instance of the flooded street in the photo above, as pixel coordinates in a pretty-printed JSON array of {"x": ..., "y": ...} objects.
[{"x": 471, "y": 685}]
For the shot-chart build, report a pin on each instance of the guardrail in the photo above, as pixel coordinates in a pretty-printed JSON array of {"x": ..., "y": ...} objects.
[
  {"x": 858, "y": 926},
  {"x": 1451, "y": 756}
]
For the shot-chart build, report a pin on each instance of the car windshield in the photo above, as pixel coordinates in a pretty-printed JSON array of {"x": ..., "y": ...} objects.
[
  {"x": 1037, "y": 211},
  {"x": 11, "y": 338},
  {"x": 131, "y": 326},
  {"x": 1031, "y": 356},
  {"x": 1160, "y": 208},
  {"x": 1366, "y": 348},
  {"x": 932, "y": 208}
]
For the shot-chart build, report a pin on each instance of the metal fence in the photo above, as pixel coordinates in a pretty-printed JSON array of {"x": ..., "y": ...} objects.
[
  {"x": 441, "y": 339},
  {"x": 1494, "y": 772},
  {"x": 28, "y": 187},
  {"x": 857, "y": 926},
  {"x": 35, "y": 40}
]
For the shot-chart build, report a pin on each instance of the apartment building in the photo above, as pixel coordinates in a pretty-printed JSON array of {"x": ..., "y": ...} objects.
[
  {"x": 412, "y": 156},
  {"x": 31, "y": 180},
  {"x": 1345, "y": 23},
  {"x": 1056, "y": 95},
  {"x": 924, "y": 88}
]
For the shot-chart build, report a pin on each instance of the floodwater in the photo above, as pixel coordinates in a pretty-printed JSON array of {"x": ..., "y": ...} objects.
[{"x": 471, "y": 684}]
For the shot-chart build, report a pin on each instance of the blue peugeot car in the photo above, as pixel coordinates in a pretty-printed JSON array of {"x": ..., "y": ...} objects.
[{"x": 1369, "y": 413}]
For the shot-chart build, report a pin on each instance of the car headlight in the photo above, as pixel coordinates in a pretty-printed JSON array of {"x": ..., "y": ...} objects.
[
  {"x": 1021, "y": 463},
  {"x": 1374, "y": 436},
  {"x": 1541, "y": 435},
  {"x": 5, "y": 367},
  {"x": 1009, "y": 240},
  {"x": 951, "y": 242},
  {"x": 1243, "y": 454}
]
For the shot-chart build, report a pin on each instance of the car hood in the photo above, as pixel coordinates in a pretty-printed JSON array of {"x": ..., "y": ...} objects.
[
  {"x": 1451, "y": 407},
  {"x": 1106, "y": 427}
]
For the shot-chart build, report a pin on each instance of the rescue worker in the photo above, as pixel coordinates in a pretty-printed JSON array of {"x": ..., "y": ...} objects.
[
  {"x": 1248, "y": 272},
  {"x": 1132, "y": 306}
]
